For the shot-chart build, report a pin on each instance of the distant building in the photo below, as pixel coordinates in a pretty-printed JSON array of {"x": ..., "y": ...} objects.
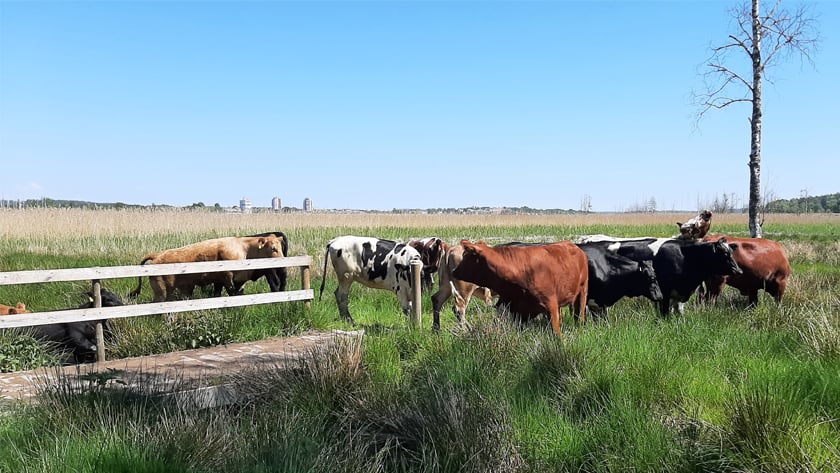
[
  {"x": 245, "y": 205},
  {"x": 307, "y": 204},
  {"x": 276, "y": 204}
]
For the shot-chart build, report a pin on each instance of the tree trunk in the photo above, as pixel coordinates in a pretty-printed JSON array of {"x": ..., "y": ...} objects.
[{"x": 755, "y": 127}]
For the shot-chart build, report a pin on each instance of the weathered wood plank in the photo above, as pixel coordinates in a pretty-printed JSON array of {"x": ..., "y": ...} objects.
[
  {"x": 111, "y": 272},
  {"x": 134, "y": 310}
]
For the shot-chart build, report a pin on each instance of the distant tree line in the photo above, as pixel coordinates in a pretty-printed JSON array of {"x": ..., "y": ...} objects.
[
  {"x": 725, "y": 204},
  {"x": 810, "y": 204}
]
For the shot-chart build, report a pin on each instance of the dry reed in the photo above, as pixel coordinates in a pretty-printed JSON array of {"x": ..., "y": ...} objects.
[{"x": 59, "y": 223}]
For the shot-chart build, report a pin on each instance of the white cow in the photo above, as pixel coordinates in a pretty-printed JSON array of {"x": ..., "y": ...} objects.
[{"x": 376, "y": 263}]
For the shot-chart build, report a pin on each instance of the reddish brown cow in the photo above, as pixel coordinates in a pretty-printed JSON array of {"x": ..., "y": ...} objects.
[
  {"x": 20, "y": 308},
  {"x": 450, "y": 285},
  {"x": 217, "y": 249},
  {"x": 531, "y": 279},
  {"x": 764, "y": 264}
]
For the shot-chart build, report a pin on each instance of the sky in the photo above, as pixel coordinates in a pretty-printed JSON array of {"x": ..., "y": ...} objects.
[{"x": 399, "y": 104}]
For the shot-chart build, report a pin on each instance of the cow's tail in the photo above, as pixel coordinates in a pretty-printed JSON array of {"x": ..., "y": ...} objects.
[
  {"x": 324, "y": 274},
  {"x": 459, "y": 299},
  {"x": 133, "y": 294}
]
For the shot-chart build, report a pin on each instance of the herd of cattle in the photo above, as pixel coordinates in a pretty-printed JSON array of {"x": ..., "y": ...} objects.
[{"x": 529, "y": 279}]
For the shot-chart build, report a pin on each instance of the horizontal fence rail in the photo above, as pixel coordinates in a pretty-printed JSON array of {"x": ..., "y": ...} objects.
[
  {"x": 113, "y": 272},
  {"x": 96, "y": 274}
]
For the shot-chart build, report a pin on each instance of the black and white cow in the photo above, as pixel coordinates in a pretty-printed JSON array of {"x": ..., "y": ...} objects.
[
  {"x": 680, "y": 265},
  {"x": 78, "y": 338},
  {"x": 612, "y": 276},
  {"x": 373, "y": 262}
]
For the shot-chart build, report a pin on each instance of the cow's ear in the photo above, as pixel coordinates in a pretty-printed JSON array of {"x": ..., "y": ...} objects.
[
  {"x": 469, "y": 247},
  {"x": 678, "y": 223},
  {"x": 734, "y": 246},
  {"x": 262, "y": 242}
]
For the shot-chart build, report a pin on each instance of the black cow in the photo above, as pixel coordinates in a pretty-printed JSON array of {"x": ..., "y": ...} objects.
[
  {"x": 78, "y": 338},
  {"x": 612, "y": 276},
  {"x": 276, "y": 277},
  {"x": 680, "y": 265}
]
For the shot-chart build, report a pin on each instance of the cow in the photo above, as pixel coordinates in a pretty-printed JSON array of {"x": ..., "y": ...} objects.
[
  {"x": 764, "y": 264},
  {"x": 530, "y": 279},
  {"x": 431, "y": 251},
  {"x": 276, "y": 277},
  {"x": 612, "y": 276},
  {"x": 78, "y": 338},
  {"x": 20, "y": 308},
  {"x": 217, "y": 249},
  {"x": 373, "y": 262},
  {"x": 680, "y": 265},
  {"x": 697, "y": 227},
  {"x": 451, "y": 286}
]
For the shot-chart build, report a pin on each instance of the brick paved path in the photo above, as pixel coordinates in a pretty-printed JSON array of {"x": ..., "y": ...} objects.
[{"x": 194, "y": 369}]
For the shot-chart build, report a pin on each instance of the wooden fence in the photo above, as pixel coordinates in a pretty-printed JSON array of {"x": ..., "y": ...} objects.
[{"x": 97, "y": 274}]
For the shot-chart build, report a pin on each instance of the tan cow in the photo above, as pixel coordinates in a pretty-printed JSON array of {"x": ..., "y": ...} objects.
[
  {"x": 20, "y": 308},
  {"x": 451, "y": 286},
  {"x": 217, "y": 249}
]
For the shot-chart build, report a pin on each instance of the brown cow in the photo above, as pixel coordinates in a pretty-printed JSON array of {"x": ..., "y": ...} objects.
[
  {"x": 20, "y": 308},
  {"x": 217, "y": 249},
  {"x": 431, "y": 251},
  {"x": 450, "y": 285},
  {"x": 531, "y": 279},
  {"x": 697, "y": 227},
  {"x": 764, "y": 264}
]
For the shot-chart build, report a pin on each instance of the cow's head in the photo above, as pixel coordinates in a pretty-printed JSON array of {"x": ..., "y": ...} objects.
[
  {"x": 474, "y": 266},
  {"x": 651, "y": 288},
  {"x": 723, "y": 261},
  {"x": 270, "y": 246},
  {"x": 696, "y": 227},
  {"x": 431, "y": 251},
  {"x": 20, "y": 308}
]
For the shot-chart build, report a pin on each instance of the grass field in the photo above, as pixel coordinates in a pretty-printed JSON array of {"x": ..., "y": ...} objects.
[{"x": 721, "y": 388}]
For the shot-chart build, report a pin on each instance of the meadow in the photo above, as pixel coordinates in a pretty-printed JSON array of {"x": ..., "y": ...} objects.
[{"x": 720, "y": 388}]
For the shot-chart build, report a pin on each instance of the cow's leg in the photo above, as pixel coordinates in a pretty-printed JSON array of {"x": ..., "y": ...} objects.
[
  {"x": 665, "y": 306},
  {"x": 714, "y": 287},
  {"x": 777, "y": 290},
  {"x": 276, "y": 279},
  {"x": 752, "y": 296},
  {"x": 158, "y": 288},
  {"x": 556, "y": 316},
  {"x": 438, "y": 299},
  {"x": 342, "y": 298},
  {"x": 462, "y": 303}
]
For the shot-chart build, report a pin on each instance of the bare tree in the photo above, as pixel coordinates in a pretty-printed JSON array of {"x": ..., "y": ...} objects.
[{"x": 766, "y": 40}]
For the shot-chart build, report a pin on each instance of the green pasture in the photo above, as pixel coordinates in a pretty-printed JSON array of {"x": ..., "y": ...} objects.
[{"x": 720, "y": 388}]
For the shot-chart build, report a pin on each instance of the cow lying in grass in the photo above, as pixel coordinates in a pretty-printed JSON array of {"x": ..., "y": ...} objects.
[
  {"x": 217, "y": 249},
  {"x": 78, "y": 338},
  {"x": 20, "y": 308}
]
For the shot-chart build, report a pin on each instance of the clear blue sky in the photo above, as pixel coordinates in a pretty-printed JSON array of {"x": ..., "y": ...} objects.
[{"x": 397, "y": 104}]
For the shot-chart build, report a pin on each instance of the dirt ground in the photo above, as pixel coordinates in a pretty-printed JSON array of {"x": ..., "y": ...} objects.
[{"x": 194, "y": 370}]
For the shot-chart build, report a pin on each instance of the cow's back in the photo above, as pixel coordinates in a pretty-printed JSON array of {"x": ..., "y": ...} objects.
[{"x": 764, "y": 264}]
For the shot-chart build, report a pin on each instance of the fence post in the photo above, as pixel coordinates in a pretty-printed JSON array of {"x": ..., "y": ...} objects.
[
  {"x": 416, "y": 295},
  {"x": 100, "y": 336},
  {"x": 305, "y": 282}
]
